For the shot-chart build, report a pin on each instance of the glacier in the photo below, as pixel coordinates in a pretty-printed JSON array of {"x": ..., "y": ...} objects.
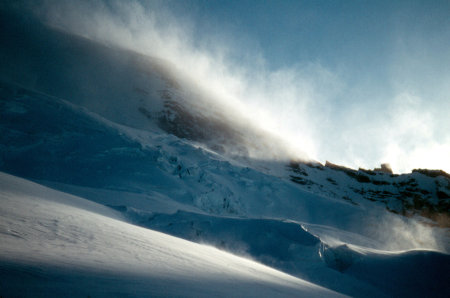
[{"x": 121, "y": 177}]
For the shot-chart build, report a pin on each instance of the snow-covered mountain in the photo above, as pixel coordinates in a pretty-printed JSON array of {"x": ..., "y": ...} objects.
[
  {"x": 423, "y": 193},
  {"x": 134, "y": 90},
  {"x": 61, "y": 245},
  {"x": 131, "y": 154}
]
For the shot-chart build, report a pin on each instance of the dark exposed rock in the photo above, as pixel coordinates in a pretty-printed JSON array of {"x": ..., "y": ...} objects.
[
  {"x": 338, "y": 167},
  {"x": 432, "y": 173},
  {"x": 296, "y": 168},
  {"x": 401, "y": 194}
]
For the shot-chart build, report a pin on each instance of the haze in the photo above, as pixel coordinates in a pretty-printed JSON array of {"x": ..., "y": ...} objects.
[{"x": 354, "y": 83}]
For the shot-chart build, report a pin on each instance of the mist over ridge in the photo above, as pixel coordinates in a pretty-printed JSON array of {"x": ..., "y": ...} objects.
[
  {"x": 145, "y": 153},
  {"x": 317, "y": 109},
  {"x": 131, "y": 89}
]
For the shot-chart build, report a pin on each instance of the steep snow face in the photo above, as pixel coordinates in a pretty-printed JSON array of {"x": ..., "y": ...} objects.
[
  {"x": 56, "y": 244},
  {"x": 161, "y": 182},
  {"x": 424, "y": 194},
  {"x": 128, "y": 88},
  {"x": 149, "y": 94},
  {"x": 127, "y": 132},
  {"x": 77, "y": 148}
]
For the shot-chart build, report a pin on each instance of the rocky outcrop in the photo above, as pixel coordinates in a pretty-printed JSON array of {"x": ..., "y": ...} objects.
[{"x": 423, "y": 192}]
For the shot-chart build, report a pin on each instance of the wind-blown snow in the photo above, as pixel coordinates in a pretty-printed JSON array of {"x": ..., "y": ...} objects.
[
  {"x": 56, "y": 244},
  {"x": 127, "y": 134},
  {"x": 166, "y": 184}
]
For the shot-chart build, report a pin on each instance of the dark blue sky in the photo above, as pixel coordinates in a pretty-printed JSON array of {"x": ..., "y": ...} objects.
[{"x": 328, "y": 31}]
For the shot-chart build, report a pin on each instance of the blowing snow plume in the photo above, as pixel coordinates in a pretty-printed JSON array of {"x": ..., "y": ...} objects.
[
  {"x": 350, "y": 103},
  {"x": 134, "y": 64}
]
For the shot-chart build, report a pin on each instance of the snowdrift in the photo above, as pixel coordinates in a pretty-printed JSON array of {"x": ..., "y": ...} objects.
[{"x": 58, "y": 244}]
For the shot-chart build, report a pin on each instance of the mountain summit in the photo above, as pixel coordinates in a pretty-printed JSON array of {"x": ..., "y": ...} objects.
[{"x": 120, "y": 176}]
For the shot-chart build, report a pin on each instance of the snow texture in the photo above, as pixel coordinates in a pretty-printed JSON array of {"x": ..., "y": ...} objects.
[{"x": 117, "y": 182}]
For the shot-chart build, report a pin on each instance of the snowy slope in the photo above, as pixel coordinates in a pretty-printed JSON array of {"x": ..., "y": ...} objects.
[
  {"x": 50, "y": 140},
  {"x": 424, "y": 194},
  {"x": 130, "y": 134},
  {"x": 149, "y": 94},
  {"x": 123, "y": 86},
  {"x": 57, "y": 244},
  {"x": 166, "y": 184}
]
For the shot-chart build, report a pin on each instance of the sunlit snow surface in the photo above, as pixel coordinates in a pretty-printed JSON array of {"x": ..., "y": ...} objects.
[
  {"x": 88, "y": 128},
  {"x": 57, "y": 244}
]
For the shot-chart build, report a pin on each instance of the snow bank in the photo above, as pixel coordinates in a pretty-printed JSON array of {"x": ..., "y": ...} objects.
[{"x": 56, "y": 244}]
